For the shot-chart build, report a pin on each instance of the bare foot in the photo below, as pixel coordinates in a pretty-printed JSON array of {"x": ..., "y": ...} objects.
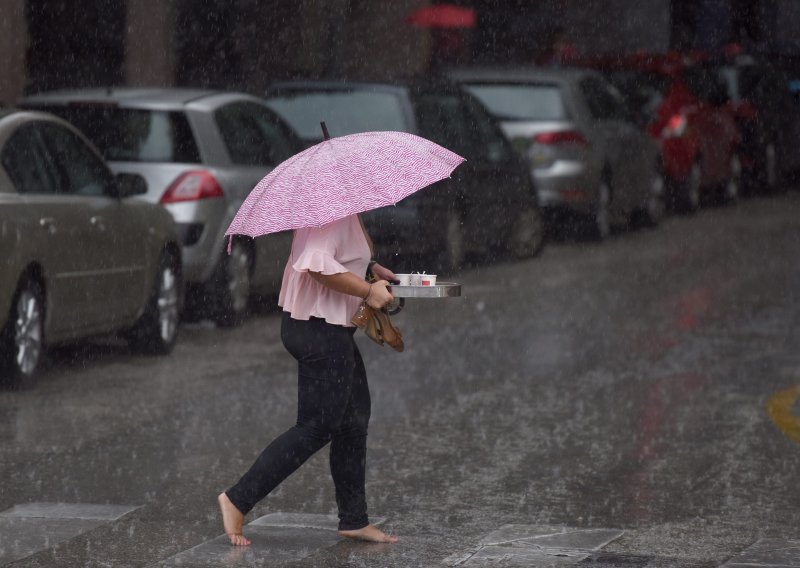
[
  {"x": 232, "y": 520},
  {"x": 370, "y": 533}
]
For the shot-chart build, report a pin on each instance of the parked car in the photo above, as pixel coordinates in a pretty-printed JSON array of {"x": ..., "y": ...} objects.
[
  {"x": 489, "y": 205},
  {"x": 685, "y": 108},
  {"x": 582, "y": 149},
  {"x": 768, "y": 116},
  {"x": 201, "y": 153},
  {"x": 81, "y": 256}
]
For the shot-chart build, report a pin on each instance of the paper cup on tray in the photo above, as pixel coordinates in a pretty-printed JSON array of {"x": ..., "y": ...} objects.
[
  {"x": 428, "y": 280},
  {"x": 403, "y": 279}
]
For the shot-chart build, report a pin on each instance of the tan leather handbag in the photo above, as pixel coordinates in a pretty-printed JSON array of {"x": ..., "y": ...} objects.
[{"x": 377, "y": 326}]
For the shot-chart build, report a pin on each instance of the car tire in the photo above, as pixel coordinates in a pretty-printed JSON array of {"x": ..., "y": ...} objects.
[
  {"x": 688, "y": 194},
  {"x": 22, "y": 341},
  {"x": 156, "y": 331},
  {"x": 233, "y": 282},
  {"x": 770, "y": 176},
  {"x": 528, "y": 233},
  {"x": 600, "y": 227}
]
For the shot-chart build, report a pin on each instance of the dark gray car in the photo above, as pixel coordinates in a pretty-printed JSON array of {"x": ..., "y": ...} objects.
[
  {"x": 489, "y": 205},
  {"x": 201, "y": 153}
]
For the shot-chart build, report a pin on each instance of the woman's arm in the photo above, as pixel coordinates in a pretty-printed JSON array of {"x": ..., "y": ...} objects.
[{"x": 375, "y": 294}]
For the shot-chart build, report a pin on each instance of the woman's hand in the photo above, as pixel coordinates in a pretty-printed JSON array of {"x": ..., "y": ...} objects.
[
  {"x": 379, "y": 294},
  {"x": 382, "y": 273}
]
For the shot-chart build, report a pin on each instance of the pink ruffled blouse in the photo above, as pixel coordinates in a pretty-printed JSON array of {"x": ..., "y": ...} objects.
[{"x": 333, "y": 249}]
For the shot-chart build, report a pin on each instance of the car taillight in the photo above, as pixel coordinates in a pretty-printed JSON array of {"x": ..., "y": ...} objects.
[
  {"x": 564, "y": 137},
  {"x": 192, "y": 186},
  {"x": 675, "y": 127}
]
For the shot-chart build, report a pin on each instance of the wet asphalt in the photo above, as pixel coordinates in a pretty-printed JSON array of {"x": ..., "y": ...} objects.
[{"x": 643, "y": 384}]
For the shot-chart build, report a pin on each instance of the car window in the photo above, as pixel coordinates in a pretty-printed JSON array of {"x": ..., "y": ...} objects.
[
  {"x": 444, "y": 119},
  {"x": 344, "y": 112},
  {"x": 604, "y": 100},
  {"x": 643, "y": 91},
  {"x": 521, "y": 102},
  {"x": 253, "y": 135},
  {"x": 706, "y": 85},
  {"x": 24, "y": 159},
  {"x": 134, "y": 135},
  {"x": 487, "y": 133},
  {"x": 81, "y": 171}
]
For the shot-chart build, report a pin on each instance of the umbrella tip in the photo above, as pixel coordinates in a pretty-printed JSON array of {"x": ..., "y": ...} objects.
[{"x": 325, "y": 130}]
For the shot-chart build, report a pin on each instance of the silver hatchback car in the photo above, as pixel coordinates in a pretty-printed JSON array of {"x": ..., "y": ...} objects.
[
  {"x": 201, "y": 152},
  {"x": 584, "y": 152}
]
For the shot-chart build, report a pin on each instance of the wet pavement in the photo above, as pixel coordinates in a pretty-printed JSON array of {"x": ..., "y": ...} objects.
[{"x": 631, "y": 403}]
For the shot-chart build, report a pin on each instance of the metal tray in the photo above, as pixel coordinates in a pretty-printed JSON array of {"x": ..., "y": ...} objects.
[{"x": 440, "y": 290}]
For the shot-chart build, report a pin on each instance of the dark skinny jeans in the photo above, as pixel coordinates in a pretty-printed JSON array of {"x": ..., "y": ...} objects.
[{"x": 333, "y": 405}]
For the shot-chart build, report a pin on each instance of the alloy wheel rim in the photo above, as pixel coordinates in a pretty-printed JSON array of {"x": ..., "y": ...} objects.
[
  {"x": 238, "y": 268},
  {"x": 168, "y": 304},
  {"x": 655, "y": 202},
  {"x": 28, "y": 332}
]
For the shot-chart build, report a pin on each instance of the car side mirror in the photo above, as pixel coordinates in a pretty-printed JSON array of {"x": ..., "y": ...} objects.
[{"x": 127, "y": 185}]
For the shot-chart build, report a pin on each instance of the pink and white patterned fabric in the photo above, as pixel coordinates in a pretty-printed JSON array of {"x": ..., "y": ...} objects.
[{"x": 340, "y": 177}]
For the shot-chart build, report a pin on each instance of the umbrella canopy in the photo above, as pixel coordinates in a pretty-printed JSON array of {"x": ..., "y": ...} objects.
[
  {"x": 340, "y": 177},
  {"x": 442, "y": 16}
]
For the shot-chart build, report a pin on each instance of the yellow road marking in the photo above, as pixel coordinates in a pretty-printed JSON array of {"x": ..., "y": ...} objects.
[{"x": 779, "y": 408}]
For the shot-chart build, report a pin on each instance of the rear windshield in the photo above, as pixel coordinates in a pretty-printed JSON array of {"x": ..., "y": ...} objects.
[
  {"x": 344, "y": 112},
  {"x": 134, "y": 135},
  {"x": 521, "y": 102}
]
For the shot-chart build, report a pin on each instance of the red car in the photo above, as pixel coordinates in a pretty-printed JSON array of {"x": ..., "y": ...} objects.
[{"x": 686, "y": 108}]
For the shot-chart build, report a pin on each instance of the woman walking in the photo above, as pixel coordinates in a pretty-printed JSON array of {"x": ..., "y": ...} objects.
[{"x": 323, "y": 285}]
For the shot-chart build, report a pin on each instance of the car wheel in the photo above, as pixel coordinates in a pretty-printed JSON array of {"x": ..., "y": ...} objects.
[
  {"x": 157, "y": 329},
  {"x": 688, "y": 198},
  {"x": 733, "y": 186},
  {"x": 450, "y": 257},
  {"x": 234, "y": 281},
  {"x": 655, "y": 207},
  {"x": 528, "y": 233},
  {"x": 601, "y": 219},
  {"x": 770, "y": 171},
  {"x": 22, "y": 346}
]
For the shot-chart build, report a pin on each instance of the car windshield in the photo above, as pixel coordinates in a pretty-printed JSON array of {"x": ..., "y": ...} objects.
[
  {"x": 344, "y": 112},
  {"x": 134, "y": 135},
  {"x": 521, "y": 102}
]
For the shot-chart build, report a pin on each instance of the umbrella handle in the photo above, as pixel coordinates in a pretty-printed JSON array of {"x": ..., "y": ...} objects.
[{"x": 325, "y": 130}]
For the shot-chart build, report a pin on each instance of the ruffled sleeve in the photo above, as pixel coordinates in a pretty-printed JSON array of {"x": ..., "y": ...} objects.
[
  {"x": 315, "y": 260},
  {"x": 314, "y": 249}
]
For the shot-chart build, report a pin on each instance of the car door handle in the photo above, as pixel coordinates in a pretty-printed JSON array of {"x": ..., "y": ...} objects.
[
  {"x": 48, "y": 224},
  {"x": 98, "y": 222}
]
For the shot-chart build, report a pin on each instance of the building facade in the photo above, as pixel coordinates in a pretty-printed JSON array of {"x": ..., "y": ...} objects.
[{"x": 246, "y": 44}]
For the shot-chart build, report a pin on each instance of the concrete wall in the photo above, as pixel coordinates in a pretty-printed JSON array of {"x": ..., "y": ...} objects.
[
  {"x": 13, "y": 45},
  {"x": 610, "y": 26},
  {"x": 149, "y": 49}
]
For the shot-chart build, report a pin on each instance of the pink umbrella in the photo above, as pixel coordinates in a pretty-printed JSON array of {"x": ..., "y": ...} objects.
[{"x": 340, "y": 177}]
